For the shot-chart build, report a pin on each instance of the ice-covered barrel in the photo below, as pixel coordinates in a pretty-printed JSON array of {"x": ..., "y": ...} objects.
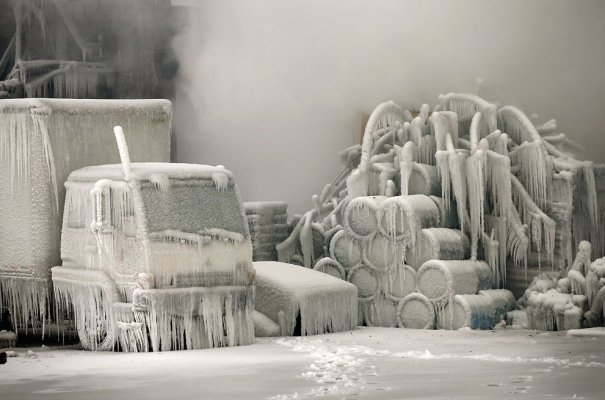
[
  {"x": 360, "y": 216},
  {"x": 383, "y": 253},
  {"x": 439, "y": 244},
  {"x": 381, "y": 312},
  {"x": 424, "y": 180},
  {"x": 415, "y": 311},
  {"x": 345, "y": 249},
  {"x": 503, "y": 301},
  {"x": 330, "y": 267},
  {"x": 400, "y": 282},
  {"x": 467, "y": 311},
  {"x": 438, "y": 280},
  {"x": 402, "y": 217},
  {"x": 366, "y": 279},
  {"x": 41, "y": 142}
]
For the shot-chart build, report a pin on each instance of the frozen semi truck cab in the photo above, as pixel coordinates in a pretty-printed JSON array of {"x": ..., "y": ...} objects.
[{"x": 156, "y": 256}]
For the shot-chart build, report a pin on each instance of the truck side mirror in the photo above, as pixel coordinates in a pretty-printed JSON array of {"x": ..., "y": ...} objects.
[{"x": 101, "y": 210}]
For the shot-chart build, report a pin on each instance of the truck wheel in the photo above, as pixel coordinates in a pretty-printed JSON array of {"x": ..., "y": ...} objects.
[{"x": 102, "y": 342}]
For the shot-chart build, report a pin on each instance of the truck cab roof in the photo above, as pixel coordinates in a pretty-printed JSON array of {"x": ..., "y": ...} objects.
[{"x": 149, "y": 170}]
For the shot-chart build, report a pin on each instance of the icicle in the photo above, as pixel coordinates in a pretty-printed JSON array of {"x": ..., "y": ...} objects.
[
  {"x": 591, "y": 196},
  {"x": 517, "y": 242},
  {"x": 416, "y": 131},
  {"x": 160, "y": 182},
  {"x": 542, "y": 227},
  {"x": 196, "y": 318},
  {"x": 535, "y": 172},
  {"x": 498, "y": 180},
  {"x": 475, "y": 131},
  {"x": 491, "y": 250},
  {"x": 306, "y": 242},
  {"x": 476, "y": 196},
  {"x": 26, "y": 300},
  {"x": 406, "y": 157},
  {"x": 443, "y": 172}
]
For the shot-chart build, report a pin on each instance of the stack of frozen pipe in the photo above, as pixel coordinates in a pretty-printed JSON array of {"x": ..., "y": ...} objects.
[
  {"x": 441, "y": 280},
  {"x": 41, "y": 142},
  {"x": 476, "y": 311},
  {"x": 439, "y": 244},
  {"x": 401, "y": 218},
  {"x": 371, "y": 252},
  {"x": 267, "y": 221}
]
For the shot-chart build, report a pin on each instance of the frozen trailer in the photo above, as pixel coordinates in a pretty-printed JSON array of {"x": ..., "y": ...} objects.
[{"x": 41, "y": 142}]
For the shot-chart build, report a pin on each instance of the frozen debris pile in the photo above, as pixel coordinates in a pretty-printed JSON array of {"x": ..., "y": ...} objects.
[
  {"x": 166, "y": 263},
  {"x": 303, "y": 301},
  {"x": 268, "y": 225},
  {"x": 570, "y": 300},
  {"x": 432, "y": 210},
  {"x": 41, "y": 142}
]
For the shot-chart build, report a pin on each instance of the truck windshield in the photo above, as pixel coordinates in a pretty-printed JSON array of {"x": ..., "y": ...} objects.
[{"x": 192, "y": 207}]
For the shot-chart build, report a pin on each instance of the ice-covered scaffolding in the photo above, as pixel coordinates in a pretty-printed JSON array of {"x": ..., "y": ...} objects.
[
  {"x": 41, "y": 142},
  {"x": 467, "y": 181}
]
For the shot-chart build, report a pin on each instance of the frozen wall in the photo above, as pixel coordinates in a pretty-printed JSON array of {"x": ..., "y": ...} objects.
[{"x": 274, "y": 89}]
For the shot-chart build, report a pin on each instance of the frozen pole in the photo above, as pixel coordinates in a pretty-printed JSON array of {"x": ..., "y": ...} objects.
[{"x": 123, "y": 149}]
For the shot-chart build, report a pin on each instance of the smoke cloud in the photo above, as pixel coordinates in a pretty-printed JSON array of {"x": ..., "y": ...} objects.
[{"x": 274, "y": 89}]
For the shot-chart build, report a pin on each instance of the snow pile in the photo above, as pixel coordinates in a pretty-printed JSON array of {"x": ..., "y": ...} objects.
[
  {"x": 468, "y": 181},
  {"x": 41, "y": 142},
  {"x": 573, "y": 301},
  {"x": 338, "y": 369}
]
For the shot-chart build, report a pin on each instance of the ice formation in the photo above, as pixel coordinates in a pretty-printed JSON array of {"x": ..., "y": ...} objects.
[
  {"x": 472, "y": 196},
  {"x": 568, "y": 300},
  {"x": 41, "y": 142}
]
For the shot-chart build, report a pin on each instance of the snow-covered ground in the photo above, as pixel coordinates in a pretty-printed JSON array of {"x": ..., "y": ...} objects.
[{"x": 368, "y": 363}]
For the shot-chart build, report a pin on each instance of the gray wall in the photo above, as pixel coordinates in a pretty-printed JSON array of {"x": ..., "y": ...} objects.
[{"x": 274, "y": 89}]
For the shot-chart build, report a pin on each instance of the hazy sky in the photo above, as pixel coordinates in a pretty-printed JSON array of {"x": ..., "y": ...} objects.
[{"x": 273, "y": 89}]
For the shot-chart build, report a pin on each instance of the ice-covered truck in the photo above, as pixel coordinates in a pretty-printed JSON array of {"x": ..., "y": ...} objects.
[
  {"x": 167, "y": 257},
  {"x": 41, "y": 142}
]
